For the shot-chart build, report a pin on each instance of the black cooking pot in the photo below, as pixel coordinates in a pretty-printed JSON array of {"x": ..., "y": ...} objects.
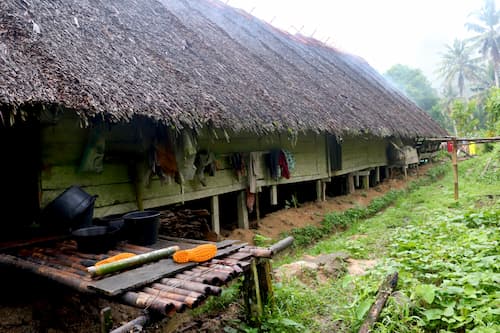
[
  {"x": 96, "y": 239},
  {"x": 114, "y": 222},
  {"x": 72, "y": 209}
]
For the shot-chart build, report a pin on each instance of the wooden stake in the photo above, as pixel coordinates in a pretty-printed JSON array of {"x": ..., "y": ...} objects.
[
  {"x": 455, "y": 167},
  {"x": 214, "y": 207},
  {"x": 106, "y": 320}
]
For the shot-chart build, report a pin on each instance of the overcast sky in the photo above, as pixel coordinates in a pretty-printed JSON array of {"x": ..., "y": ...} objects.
[{"x": 384, "y": 32}]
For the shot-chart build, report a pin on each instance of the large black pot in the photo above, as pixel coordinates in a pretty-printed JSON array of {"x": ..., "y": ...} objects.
[
  {"x": 96, "y": 239},
  {"x": 72, "y": 209},
  {"x": 142, "y": 227}
]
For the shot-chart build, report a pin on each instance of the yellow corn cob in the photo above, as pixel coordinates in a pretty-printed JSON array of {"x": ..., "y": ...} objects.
[
  {"x": 117, "y": 257},
  {"x": 198, "y": 254}
]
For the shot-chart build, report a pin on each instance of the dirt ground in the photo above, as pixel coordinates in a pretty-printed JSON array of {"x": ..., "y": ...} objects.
[
  {"x": 30, "y": 304},
  {"x": 272, "y": 225}
]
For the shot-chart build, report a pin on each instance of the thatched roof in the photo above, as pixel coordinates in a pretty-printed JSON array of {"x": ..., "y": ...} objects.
[{"x": 191, "y": 63}]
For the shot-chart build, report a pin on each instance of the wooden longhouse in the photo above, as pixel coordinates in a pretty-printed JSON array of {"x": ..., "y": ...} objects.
[{"x": 87, "y": 88}]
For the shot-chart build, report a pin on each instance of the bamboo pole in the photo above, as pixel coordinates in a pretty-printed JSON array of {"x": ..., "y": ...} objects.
[
  {"x": 132, "y": 261},
  {"x": 455, "y": 166}
]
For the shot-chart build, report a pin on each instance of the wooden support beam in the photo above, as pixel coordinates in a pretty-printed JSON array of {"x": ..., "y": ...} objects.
[
  {"x": 350, "y": 183},
  {"x": 323, "y": 194},
  {"x": 274, "y": 195},
  {"x": 377, "y": 175},
  {"x": 366, "y": 182},
  {"x": 405, "y": 171},
  {"x": 454, "y": 162},
  {"x": 214, "y": 211},
  {"x": 356, "y": 179},
  {"x": 257, "y": 207},
  {"x": 242, "y": 210},
  {"x": 319, "y": 191}
]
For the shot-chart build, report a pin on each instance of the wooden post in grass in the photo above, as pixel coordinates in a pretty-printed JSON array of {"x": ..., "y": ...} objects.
[
  {"x": 455, "y": 166},
  {"x": 383, "y": 293},
  {"x": 257, "y": 288}
]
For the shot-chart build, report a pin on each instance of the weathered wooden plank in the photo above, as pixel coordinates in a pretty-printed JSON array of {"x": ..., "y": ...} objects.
[
  {"x": 119, "y": 283},
  {"x": 214, "y": 216},
  {"x": 61, "y": 177}
]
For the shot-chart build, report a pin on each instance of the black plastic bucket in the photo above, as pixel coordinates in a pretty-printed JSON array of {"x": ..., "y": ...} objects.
[
  {"x": 72, "y": 209},
  {"x": 96, "y": 239},
  {"x": 142, "y": 227}
]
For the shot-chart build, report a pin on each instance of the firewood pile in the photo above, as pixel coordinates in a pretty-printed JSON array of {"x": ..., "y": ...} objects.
[{"x": 186, "y": 223}]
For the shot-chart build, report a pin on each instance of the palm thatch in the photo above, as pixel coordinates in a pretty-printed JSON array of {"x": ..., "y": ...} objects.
[{"x": 191, "y": 63}]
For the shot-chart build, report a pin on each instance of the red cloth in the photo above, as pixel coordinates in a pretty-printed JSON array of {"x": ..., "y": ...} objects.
[
  {"x": 283, "y": 165},
  {"x": 450, "y": 146}
]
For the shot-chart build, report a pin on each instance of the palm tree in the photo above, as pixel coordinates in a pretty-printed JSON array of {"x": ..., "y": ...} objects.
[
  {"x": 457, "y": 64},
  {"x": 487, "y": 29}
]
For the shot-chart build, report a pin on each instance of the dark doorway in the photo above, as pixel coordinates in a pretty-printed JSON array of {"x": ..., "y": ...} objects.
[{"x": 19, "y": 169}]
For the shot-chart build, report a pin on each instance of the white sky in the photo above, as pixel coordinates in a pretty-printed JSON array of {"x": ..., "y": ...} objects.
[{"x": 384, "y": 32}]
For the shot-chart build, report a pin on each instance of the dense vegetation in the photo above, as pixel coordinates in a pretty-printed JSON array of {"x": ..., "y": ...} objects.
[{"x": 447, "y": 254}]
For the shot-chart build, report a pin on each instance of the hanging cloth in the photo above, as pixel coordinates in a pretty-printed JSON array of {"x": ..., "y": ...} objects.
[{"x": 285, "y": 172}]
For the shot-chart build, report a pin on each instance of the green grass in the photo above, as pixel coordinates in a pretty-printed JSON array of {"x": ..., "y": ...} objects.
[{"x": 447, "y": 254}]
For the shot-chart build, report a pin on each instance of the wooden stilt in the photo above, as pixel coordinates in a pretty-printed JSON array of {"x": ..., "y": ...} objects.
[
  {"x": 356, "y": 179},
  {"x": 386, "y": 172},
  {"x": 323, "y": 194},
  {"x": 274, "y": 195},
  {"x": 350, "y": 183},
  {"x": 366, "y": 182},
  {"x": 405, "y": 171},
  {"x": 454, "y": 161},
  {"x": 377, "y": 175},
  {"x": 257, "y": 207},
  {"x": 319, "y": 190},
  {"x": 214, "y": 207},
  {"x": 242, "y": 210}
]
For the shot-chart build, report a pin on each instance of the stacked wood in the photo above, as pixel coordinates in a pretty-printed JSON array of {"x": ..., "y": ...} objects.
[{"x": 186, "y": 223}]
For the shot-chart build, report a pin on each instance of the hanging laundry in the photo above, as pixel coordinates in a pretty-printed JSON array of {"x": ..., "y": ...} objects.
[
  {"x": 253, "y": 165},
  {"x": 273, "y": 163},
  {"x": 290, "y": 160},
  {"x": 250, "y": 200},
  {"x": 185, "y": 153},
  {"x": 285, "y": 172},
  {"x": 450, "y": 146},
  {"x": 238, "y": 164},
  {"x": 203, "y": 160},
  {"x": 472, "y": 148},
  {"x": 93, "y": 155}
]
